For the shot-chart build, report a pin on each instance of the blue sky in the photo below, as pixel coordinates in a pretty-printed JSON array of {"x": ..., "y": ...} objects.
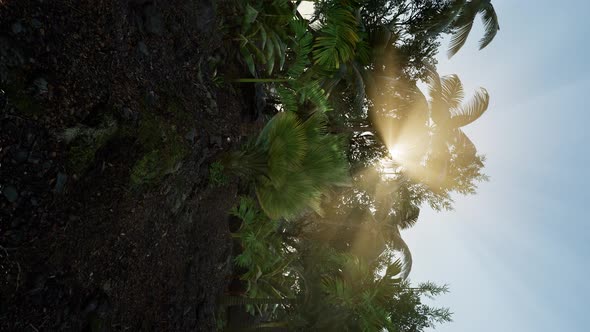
[{"x": 516, "y": 254}]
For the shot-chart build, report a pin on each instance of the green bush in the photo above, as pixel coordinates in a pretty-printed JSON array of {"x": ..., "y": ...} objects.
[{"x": 217, "y": 178}]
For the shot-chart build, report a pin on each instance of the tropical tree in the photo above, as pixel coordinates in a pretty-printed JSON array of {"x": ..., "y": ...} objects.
[
  {"x": 407, "y": 311},
  {"x": 355, "y": 66},
  {"x": 451, "y": 151},
  {"x": 354, "y": 295},
  {"x": 461, "y": 21},
  {"x": 294, "y": 163},
  {"x": 366, "y": 222}
]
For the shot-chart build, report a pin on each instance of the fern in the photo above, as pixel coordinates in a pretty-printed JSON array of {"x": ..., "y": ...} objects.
[
  {"x": 338, "y": 38},
  {"x": 302, "y": 47},
  {"x": 263, "y": 253}
]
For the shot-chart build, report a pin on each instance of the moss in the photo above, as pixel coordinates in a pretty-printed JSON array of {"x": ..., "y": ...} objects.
[
  {"x": 156, "y": 164},
  {"x": 81, "y": 156},
  {"x": 86, "y": 142},
  {"x": 164, "y": 148},
  {"x": 147, "y": 169}
]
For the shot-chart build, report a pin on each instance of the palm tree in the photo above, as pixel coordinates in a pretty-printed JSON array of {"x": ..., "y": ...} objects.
[
  {"x": 294, "y": 163},
  {"x": 449, "y": 114},
  {"x": 395, "y": 211},
  {"x": 370, "y": 229},
  {"x": 461, "y": 22}
]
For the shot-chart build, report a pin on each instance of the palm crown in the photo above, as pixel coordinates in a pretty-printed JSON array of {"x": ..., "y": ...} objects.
[
  {"x": 449, "y": 114},
  {"x": 462, "y": 22},
  {"x": 294, "y": 164}
]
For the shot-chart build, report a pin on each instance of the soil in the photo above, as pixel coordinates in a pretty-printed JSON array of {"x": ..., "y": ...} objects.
[{"x": 122, "y": 229}]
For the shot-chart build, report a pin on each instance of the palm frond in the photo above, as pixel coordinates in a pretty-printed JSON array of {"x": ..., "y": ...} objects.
[
  {"x": 303, "y": 163},
  {"x": 326, "y": 164},
  {"x": 393, "y": 271},
  {"x": 286, "y": 199},
  {"x": 285, "y": 138},
  {"x": 338, "y": 38},
  {"x": 313, "y": 92},
  {"x": 442, "y": 22},
  {"x": 463, "y": 24},
  {"x": 287, "y": 97},
  {"x": 452, "y": 91},
  {"x": 248, "y": 163},
  {"x": 491, "y": 25},
  {"x": 398, "y": 244},
  {"x": 459, "y": 38},
  {"x": 463, "y": 145},
  {"x": 315, "y": 125},
  {"x": 303, "y": 42},
  {"x": 407, "y": 216},
  {"x": 470, "y": 112},
  {"x": 433, "y": 81}
]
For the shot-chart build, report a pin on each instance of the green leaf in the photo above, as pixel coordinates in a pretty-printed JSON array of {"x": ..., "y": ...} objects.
[
  {"x": 249, "y": 59},
  {"x": 270, "y": 64},
  {"x": 259, "y": 55},
  {"x": 250, "y": 15},
  {"x": 263, "y": 36}
]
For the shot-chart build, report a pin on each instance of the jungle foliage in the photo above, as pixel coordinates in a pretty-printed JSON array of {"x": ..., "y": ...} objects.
[{"x": 320, "y": 233}]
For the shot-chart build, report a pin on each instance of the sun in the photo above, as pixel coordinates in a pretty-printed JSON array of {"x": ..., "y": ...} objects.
[
  {"x": 397, "y": 152},
  {"x": 391, "y": 165}
]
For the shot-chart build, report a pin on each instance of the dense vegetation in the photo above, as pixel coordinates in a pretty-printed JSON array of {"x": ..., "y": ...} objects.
[
  {"x": 352, "y": 150},
  {"x": 173, "y": 165}
]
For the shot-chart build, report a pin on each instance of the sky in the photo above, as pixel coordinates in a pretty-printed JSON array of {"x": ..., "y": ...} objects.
[{"x": 516, "y": 254}]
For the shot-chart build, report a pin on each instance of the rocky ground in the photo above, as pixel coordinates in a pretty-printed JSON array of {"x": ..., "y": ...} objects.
[{"x": 111, "y": 113}]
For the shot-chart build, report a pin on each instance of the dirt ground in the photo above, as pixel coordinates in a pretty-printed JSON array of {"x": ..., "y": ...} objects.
[{"x": 121, "y": 230}]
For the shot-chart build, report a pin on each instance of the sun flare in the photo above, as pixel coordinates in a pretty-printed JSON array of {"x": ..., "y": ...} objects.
[{"x": 397, "y": 152}]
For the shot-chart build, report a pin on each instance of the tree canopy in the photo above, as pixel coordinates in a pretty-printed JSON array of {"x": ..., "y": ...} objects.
[{"x": 352, "y": 151}]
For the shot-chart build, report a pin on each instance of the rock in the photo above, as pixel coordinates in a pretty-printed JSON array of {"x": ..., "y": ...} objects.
[
  {"x": 17, "y": 28},
  {"x": 142, "y": 48},
  {"x": 60, "y": 182},
  {"x": 10, "y": 193},
  {"x": 41, "y": 85}
]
